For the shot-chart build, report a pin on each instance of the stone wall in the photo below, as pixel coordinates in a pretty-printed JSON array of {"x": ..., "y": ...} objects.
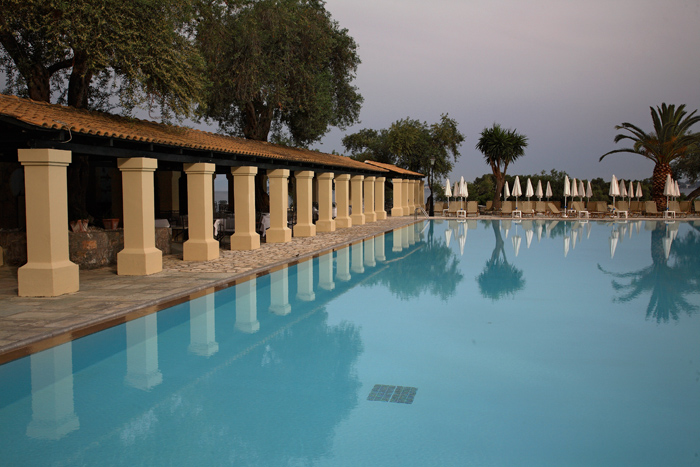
[{"x": 89, "y": 250}]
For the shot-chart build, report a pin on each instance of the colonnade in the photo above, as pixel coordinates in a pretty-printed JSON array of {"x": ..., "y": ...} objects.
[{"x": 49, "y": 271}]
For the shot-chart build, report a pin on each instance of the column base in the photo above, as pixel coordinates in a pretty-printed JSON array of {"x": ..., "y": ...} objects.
[
  {"x": 204, "y": 350},
  {"x": 53, "y": 429},
  {"x": 276, "y": 235},
  {"x": 144, "y": 381},
  {"x": 281, "y": 310},
  {"x": 358, "y": 219},
  {"x": 330, "y": 285},
  {"x": 48, "y": 279},
  {"x": 325, "y": 226},
  {"x": 249, "y": 327},
  {"x": 341, "y": 276},
  {"x": 245, "y": 242},
  {"x": 381, "y": 215},
  {"x": 343, "y": 223},
  {"x": 306, "y": 296},
  {"x": 304, "y": 230},
  {"x": 200, "y": 250},
  {"x": 135, "y": 262},
  {"x": 396, "y": 212}
]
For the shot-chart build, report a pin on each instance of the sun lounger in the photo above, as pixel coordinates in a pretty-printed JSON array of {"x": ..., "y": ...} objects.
[
  {"x": 675, "y": 206},
  {"x": 472, "y": 208},
  {"x": 685, "y": 207},
  {"x": 507, "y": 208},
  {"x": 540, "y": 207},
  {"x": 650, "y": 209},
  {"x": 527, "y": 208},
  {"x": 553, "y": 210},
  {"x": 452, "y": 211},
  {"x": 579, "y": 210}
]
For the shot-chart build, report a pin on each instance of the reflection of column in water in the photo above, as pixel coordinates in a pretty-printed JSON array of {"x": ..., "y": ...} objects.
[
  {"x": 405, "y": 241},
  {"x": 247, "y": 307},
  {"x": 142, "y": 353},
  {"x": 343, "y": 264},
  {"x": 369, "y": 253},
  {"x": 412, "y": 234},
  {"x": 305, "y": 281},
  {"x": 379, "y": 241},
  {"x": 398, "y": 240},
  {"x": 357, "y": 259},
  {"x": 53, "y": 413},
  {"x": 203, "y": 325},
  {"x": 325, "y": 272},
  {"x": 279, "y": 292}
]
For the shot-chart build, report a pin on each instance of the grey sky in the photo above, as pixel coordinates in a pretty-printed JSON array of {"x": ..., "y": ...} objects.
[{"x": 564, "y": 73}]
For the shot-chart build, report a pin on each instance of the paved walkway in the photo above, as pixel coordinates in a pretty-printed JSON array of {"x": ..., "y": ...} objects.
[{"x": 28, "y": 325}]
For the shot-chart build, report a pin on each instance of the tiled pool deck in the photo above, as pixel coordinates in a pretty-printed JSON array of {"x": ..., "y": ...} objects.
[{"x": 105, "y": 299}]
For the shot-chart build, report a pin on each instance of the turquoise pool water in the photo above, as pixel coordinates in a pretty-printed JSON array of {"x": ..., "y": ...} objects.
[{"x": 445, "y": 343}]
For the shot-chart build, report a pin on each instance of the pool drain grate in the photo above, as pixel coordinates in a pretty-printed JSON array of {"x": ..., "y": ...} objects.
[{"x": 398, "y": 394}]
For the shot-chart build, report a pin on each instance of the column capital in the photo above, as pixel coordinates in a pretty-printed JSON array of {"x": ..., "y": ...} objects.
[
  {"x": 370, "y": 179},
  {"x": 53, "y": 157},
  {"x": 278, "y": 173},
  {"x": 343, "y": 177},
  {"x": 244, "y": 170},
  {"x": 304, "y": 174},
  {"x": 137, "y": 164},
  {"x": 200, "y": 168},
  {"x": 380, "y": 179},
  {"x": 326, "y": 176}
]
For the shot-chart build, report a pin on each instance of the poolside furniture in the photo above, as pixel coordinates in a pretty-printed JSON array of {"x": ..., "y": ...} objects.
[
  {"x": 489, "y": 205},
  {"x": 636, "y": 207},
  {"x": 540, "y": 207},
  {"x": 452, "y": 211},
  {"x": 622, "y": 206},
  {"x": 696, "y": 206},
  {"x": 676, "y": 207},
  {"x": 650, "y": 209},
  {"x": 554, "y": 210},
  {"x": 527, "y": 208},
  {"x": 684, "y": 207},
  {"x": 579, "y": 210},
  {"x": 472, "y": 208},
  {"x": 506, "y": 208}
]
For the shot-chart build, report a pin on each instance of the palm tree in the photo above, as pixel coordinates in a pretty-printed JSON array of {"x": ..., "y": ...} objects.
[
  {"x": 500, "y": 148},
  {"x": 670, "y": 140}
]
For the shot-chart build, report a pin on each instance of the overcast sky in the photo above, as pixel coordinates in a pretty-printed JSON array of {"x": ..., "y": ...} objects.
[{"x": 564, "y": 73}]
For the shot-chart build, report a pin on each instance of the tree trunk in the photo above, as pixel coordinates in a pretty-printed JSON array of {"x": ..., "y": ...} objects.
[
  {"x": 694, "y": 194},
  {"x": 658, "y": 181},
  {"x": 500, "y": 182},
  {"x": 258, "y": 119},
  {"x": 38, "y": 84},
  {"x": 79, "y": 83}
]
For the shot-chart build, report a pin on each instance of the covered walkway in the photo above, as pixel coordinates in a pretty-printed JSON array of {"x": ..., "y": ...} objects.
[{"x": 152, "y": 167}]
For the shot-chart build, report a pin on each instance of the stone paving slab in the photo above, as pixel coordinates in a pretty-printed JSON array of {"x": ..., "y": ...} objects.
[{"x": 28, "y": 325}]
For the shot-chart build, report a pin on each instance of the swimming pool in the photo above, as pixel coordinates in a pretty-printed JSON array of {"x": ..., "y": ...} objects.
[{"x": 443, "y": 343}]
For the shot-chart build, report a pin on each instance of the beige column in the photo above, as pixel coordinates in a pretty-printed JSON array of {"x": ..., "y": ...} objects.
[
  {"x": 420, "y": 195},
  {"x": 397, "y": 210},
  {"x": 203, "y": 325},
  {"x": 247, "y": 306},
  {"x": 49, "y": 271},
  {"x": 279, "y": 292},
  {"x": 342, "y": 192},
  {"x": 245, "y": 237},
  {"x": 370, "y": 215},
  {"x": 305, "y": 281},
  {"x": 379, "y": 198},
  {"x": 142, "y": 371},
  {"x": 408, "y": 197},
  {"x": 325, "y": 221},
  {"x": 201, "y": 245},
  {"x": 140, "y": 257},
  {"x": 357, "y": 216},
  {"x": 279, "y": 196},
  {"x": 325, "y": 271},
  {"x": 304, "y": 226}
]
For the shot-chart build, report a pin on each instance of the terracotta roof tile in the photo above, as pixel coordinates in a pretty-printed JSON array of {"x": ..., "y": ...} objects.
[
  {"x": 393, "y": 168},
  {"x": 54, "y": 116}
]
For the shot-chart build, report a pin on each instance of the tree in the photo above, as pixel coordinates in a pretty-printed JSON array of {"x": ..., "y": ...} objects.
[
  {"x": 410, "y": 144},
  {"x": 670, "y": 140},
  {"x": 278, "y": 65},
  {"x": 144, "y": 48},
  {"x": 500, "y": 148},
  {"x": 689, "y": 168}
]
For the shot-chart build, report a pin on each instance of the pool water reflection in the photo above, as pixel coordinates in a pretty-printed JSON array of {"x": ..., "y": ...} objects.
[{"x": 524, "y": 343}]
